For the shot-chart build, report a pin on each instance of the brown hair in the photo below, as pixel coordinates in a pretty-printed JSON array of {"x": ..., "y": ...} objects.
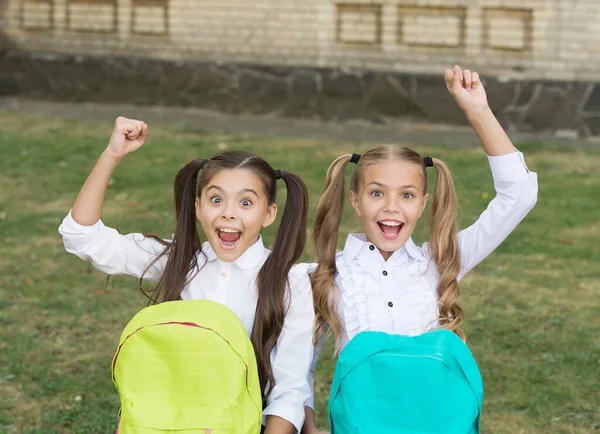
[
  {"x": 272, "y": 279},
  {"x": 442, "y": 225}
]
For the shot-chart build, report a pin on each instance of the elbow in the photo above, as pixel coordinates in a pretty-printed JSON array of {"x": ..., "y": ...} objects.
[
  {"x": 532, "y": 202},
  {"x": 522, "y": 200},
  {"x": 66, "y": 240},
  {"x": 530, "y": 197}
]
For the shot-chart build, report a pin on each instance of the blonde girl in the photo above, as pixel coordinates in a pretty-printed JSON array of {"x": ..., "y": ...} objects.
[{"x": 382, "y": 280}]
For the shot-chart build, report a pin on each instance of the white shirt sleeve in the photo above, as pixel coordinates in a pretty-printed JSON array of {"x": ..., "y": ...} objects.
[
  {"x": 516, "y": 194},
  {"x": 292, "y": 356},
  {"x": 310, "y": 402},
  {"x": 111, "y": 252}
]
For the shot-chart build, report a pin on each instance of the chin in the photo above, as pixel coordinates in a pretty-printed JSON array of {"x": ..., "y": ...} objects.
[
  {"x": 388, "y": 245},
  {"x": 228, "y": 256},
  {"x": 391, "y": 247}
]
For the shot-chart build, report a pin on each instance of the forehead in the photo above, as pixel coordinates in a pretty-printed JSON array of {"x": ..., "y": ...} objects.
[
  {"x": 236, "y": 180},
  {"x": 393, "y": 174}
]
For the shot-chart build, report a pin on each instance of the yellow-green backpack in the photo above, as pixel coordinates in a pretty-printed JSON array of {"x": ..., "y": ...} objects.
[{"x": 187, "y": 367}]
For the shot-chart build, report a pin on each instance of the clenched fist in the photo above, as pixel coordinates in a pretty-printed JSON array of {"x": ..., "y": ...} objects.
[
  {"x": 466, "y": 88},
  {"x": 128, "y": 136}
]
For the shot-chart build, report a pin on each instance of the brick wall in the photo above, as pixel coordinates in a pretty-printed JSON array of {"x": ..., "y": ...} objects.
[
  {"x": 533, "y": 43},
  {"x": 533, "y": 39}
]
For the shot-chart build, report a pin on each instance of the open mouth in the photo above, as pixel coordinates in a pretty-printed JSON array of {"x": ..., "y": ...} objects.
[
  {"x": 228, "y": 238},
  {"x": 390, "y": 229}
]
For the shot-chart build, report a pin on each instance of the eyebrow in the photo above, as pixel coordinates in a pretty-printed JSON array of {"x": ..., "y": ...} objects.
[
  {"x": 245, "y": 190},
  {"x": 249, "y": 190},
  {"x": 379, "y": 184},
  {"x": 215, "y": 187}
]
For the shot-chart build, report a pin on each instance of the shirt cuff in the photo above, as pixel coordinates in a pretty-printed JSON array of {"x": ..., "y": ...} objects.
[
  {"x": 310, "y": 403},
  {"x": 293, "y": 415},
  {"x": 508, "y": 166},
  {"x": 69, "y": 222}
]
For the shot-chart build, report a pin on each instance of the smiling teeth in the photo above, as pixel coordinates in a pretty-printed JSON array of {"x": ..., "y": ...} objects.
[
  {"x": 389, "y": 223},
  {"x": 229, "y": 231}
]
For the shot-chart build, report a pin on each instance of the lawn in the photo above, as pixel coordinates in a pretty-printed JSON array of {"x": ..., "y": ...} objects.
[{"x": 532, "y": 307}]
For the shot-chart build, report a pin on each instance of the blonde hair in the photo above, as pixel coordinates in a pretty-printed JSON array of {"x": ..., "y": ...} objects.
[{"x": 442, "y": 226}]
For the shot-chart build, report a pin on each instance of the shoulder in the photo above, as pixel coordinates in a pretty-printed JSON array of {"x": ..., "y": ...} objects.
[
  {"x": 299, "y": 277},
  {"x": 419, "y": 253}
]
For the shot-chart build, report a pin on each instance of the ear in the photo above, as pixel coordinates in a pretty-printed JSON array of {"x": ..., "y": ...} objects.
[
  {"x": 423, "y": 204},
  {"x": 354, "y": 201},
  {"x": 197, "y": 205},
  {"x": 270, "y": 216}
]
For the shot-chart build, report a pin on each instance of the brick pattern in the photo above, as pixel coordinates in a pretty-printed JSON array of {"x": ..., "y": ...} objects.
[
  {"x": 150, "y": 17},
  {"x": 508, "y": 29},
  {"x": 92, "y": 16},
  {"x": 358, "y": 24},
  {"x": 436, "y": 27},
  {"x": 509, "y": 39},
  {"x": 36, "y": 15}
]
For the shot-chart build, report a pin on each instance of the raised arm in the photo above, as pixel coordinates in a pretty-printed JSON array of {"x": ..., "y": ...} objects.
[
  {"x": 82, "y": 230},
  {"x": 128, "y": 136},
  {"x": 469, "y": 93},
  {"x": 516, "y": 187}
]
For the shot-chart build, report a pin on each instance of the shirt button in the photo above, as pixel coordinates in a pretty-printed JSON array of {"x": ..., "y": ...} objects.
[
  {"x": 384, "y": 273},
  {"x": 223, "y": 274},
  {"x": 390, "y": 304},
  {"x": 371, "y": 247}
]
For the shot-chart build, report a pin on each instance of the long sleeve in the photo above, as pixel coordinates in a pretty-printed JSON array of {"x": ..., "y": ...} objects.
[
  {"x": 516, "y": 194},
  {"x": 310, "y": 402},
  {"x": 292, "y": 356},
  {"x": 111, "y": 252}
]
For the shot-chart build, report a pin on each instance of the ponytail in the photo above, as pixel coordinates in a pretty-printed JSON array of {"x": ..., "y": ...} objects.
[
  {"x": 325, "y": 237},
  {"x": 273, "y": 276},
  {"x": 182, "y": 249},
  {"x": 444, "y": 248}
]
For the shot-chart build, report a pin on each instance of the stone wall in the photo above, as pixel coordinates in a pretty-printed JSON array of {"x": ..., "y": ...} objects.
[{"x": 329, "y": 59}]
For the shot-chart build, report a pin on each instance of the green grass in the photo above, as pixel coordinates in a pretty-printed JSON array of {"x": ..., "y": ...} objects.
[{"x": 532, "y": 307}]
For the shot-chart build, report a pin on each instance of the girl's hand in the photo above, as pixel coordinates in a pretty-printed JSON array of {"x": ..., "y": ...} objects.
[
  {"x": 128, "y": 136},
  {"x": 467, "y": 90}
]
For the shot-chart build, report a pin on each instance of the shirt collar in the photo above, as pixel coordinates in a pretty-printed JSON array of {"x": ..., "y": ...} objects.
[
  {"x": 414, "y": 251},
  {"x": 355, "y": 243},
  {"x": 250, "y": 259}
]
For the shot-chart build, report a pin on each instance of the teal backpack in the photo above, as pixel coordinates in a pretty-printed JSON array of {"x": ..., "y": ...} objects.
[
  {"x": 393, "y": 384},
  {"x": 187, "y": 367}
]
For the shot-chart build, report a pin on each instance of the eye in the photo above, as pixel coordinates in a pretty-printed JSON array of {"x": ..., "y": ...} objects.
[
  {"x": 246, "y": 202},
  {"x": 407, "y": 196},
  {"x": 376, "y": 193},
  {"x": 216, "y": 199}
]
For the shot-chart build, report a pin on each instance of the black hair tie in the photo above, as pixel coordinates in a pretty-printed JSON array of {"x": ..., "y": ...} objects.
[
  {"x": 202, "y": 161},
  {"x": 355, "y": 158},
  {"x": 277, "y": 174},
  {"x": 428, "y": 161}
]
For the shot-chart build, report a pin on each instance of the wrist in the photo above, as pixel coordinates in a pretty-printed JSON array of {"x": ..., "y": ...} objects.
[
  {"x": 479, "y": 113},
  {"x": 108, "y": 157}
]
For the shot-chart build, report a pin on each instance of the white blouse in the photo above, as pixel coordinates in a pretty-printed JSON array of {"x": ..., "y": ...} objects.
[
  {"x": 232, "y": 284},
  {"x": 400, "y": 295}
]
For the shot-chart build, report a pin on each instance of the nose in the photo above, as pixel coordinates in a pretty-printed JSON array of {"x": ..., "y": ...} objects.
[
  {"x": 391, "y": 204},
  {"x": 228, "y": 212}
]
